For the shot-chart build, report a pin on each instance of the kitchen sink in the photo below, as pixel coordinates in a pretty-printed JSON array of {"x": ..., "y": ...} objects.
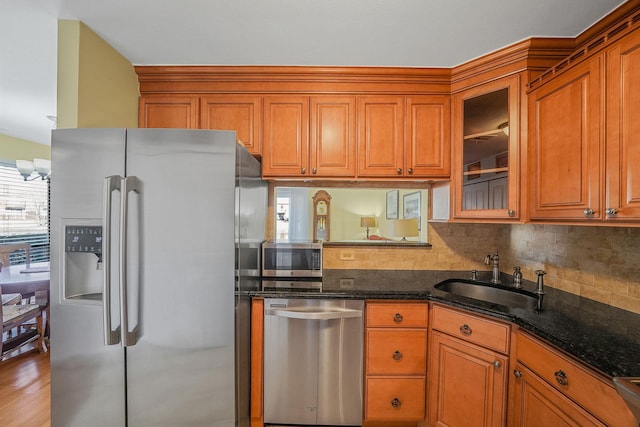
[
  {"x": 629, "y": 389},
  {"x": 502, "y": 295}
]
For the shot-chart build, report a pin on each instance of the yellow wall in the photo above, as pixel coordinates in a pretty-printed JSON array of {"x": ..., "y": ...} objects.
[
  {"x": 97, "y": 86},
  {"x": 20, "y": 149}
]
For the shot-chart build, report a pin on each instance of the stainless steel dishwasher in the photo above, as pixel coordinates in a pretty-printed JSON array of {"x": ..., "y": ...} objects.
[{"x": 313, "y": 356}]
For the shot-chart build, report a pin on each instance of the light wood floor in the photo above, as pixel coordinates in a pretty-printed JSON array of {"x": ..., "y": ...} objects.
[{"x": 25, "y": 390}]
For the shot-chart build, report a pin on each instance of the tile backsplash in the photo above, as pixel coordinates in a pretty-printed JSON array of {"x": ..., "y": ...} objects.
[{"x": 600, "y": 263}]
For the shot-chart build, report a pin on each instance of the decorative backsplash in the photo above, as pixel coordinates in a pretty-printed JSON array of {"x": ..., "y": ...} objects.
[{"x": 599, "y": 263}]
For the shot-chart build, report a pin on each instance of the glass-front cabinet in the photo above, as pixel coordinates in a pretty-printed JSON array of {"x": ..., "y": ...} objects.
[{"x": 486, "y": 155}]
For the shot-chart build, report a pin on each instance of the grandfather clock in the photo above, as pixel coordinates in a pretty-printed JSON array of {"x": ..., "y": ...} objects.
[{"x": 321, "y": 202}]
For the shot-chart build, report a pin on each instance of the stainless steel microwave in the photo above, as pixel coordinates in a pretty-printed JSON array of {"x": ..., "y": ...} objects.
[{"x": 280, "y": 259}]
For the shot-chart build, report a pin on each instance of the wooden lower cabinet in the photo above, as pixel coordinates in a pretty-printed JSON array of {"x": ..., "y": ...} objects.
[
  {"x": 549, "y": 386},
  {"x": 468, "y": 384},
  {"x": 395, "y": 363},
  {"x": 393, "y": 398},
  {"x": 536, "y": 403},
  {"x": 468, "y": 369},
  {"x": 469, "y": 381}
]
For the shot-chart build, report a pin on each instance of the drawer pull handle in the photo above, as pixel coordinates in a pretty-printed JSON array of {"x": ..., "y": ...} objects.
[
  {"x": 397, "y": 355},
  {"x": 398, "y": 318},
  {"x": 497, "y": 364},
  {"x": 517, "y": 373},
  {"x": 396, "y": 402},
  {"x": 465, "y": 329},
  {"x": 561, "y": 377}
]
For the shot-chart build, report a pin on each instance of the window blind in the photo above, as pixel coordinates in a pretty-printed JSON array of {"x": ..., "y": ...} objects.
[{"x": 24, "y": 213}]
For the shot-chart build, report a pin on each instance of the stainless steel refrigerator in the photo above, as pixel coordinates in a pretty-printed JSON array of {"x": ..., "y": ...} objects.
[{"x": 149, "y": 233}]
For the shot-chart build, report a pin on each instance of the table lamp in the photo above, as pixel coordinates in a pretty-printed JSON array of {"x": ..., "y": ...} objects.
[
  {"x": 407, "y": 227},
  {"x": 368, "y": 221}
]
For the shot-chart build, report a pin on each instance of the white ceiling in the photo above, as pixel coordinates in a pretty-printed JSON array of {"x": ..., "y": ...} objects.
[{"x": 411, "y": 33}]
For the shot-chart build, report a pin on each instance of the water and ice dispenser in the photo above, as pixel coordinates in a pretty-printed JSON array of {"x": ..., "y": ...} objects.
[{"x": 82, "y": 273}]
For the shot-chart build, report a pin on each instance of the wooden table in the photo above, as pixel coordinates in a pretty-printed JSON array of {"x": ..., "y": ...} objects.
[
  {"x": 14, "y": 281},
  {"x": 18, "y": 279}
]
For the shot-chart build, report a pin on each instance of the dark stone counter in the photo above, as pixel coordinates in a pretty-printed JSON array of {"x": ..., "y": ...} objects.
[{"x": 604, "y": 337}]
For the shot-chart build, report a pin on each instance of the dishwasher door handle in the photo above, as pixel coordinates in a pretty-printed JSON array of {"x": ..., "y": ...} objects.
[{"x": 314, "y": 315}]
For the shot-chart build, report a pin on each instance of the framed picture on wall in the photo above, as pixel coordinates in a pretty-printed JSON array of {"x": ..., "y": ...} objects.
[
  {"x": 392, "y": 204},
  {"x": 411, "y": 206}
]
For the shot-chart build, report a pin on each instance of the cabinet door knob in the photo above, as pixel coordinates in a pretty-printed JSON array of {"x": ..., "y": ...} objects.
[
  {"x": 588, "y": 212},
  {"x": 465, "y": 329},
  {"x": 396, "y": 402},
  {"x": 397, "y": 355},
  {"x": 398, "y": 318},
  {"x": 399, "y": 170},
  {"x": 511, "y": 213},
  {"x": 303, "y": 170},
  {"x": 611, "y": 211},
  {"x": 517, "y": 373},
  {"x": 497, "y": 364},
  {"x": 410, "y": 170},
  {"x": 561, "y": 377},
  {"x": 314, "y": 171}
]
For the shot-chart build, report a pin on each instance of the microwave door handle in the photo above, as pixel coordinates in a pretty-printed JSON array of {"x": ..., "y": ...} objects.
[
  {"x": 129, "y": 184},
  {"x": 111, "y": 184},
  {"x": 314, "y": 315}
]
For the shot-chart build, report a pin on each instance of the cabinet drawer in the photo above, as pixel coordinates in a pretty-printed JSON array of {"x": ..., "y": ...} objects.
[
  {"x": 484, "y": 332},
  {"x": 402, "y": 315},
  {"x": 396, "y": 352},
  {"x": 392, "y": 399},
  {"x": 573, "y": 380}
]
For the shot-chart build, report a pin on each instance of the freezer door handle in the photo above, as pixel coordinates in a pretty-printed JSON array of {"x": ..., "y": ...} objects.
[
  {"x": 129, "y": 338},
  {"x": 314, "y": 315},
  {"x": 111, "y": 184}
]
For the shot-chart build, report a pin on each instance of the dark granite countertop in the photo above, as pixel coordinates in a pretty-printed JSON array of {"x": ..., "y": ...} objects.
[{"x": 604, "y": 337}]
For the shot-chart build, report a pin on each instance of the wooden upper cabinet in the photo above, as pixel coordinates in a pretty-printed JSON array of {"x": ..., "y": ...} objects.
[
  {"x": 241, "y": 113},
  {"x": 380, "y": 136},
  {"x": 309, "y": 136},
  {"x": 332, "y": 148},
  {"x": 168, "y": 112},
  {"x": 623, "y": 130},
  {"x": 486, "y": 150},
  {"x": 565, "y": 145},
  {"x": 427, "y": 136},
  {"x": 286, "y": 136}
]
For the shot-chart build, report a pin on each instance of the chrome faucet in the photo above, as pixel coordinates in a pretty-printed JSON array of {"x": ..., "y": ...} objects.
[
  {"x": 540, "y": 283},
  {"x": 495, "y": 258}
]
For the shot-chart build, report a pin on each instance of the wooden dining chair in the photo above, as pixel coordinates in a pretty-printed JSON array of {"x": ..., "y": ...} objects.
[{"x": 25, "y": 322}]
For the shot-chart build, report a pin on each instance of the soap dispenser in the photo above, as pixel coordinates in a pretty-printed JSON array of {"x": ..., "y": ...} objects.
[{"x": 517, "y": 278}]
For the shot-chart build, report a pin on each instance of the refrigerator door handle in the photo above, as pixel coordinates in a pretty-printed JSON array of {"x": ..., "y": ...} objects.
[
  {"x": 111, "y": 184},
  {"x": 129, "y": 338}
]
